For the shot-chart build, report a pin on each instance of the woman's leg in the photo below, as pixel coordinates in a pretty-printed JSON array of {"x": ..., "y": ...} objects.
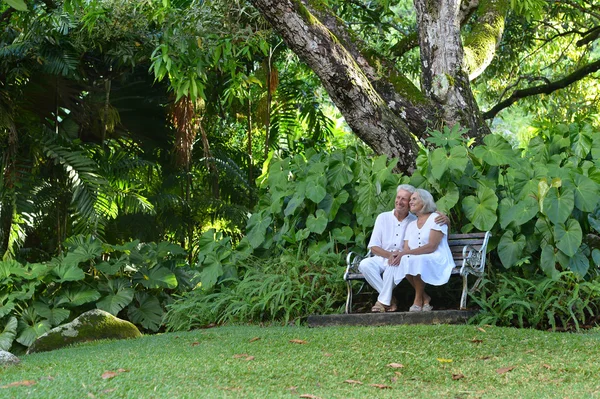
[
  {"x": 426, "y": 298},
  {"x": 420, "y": 295}
]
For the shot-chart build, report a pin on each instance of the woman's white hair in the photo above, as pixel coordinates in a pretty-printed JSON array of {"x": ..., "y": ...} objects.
[
  {"x": 405, "y": 187},
  {"x": 428, "y": 202}
]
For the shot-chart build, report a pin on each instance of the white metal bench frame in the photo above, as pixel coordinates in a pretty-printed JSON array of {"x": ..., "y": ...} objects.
[{"x": 468, "y": 251}]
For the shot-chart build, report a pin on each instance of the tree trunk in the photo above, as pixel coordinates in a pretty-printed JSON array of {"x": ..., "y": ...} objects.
[
  {"x": 383, "y": 107},
  {"x": 442, "y": 76}
]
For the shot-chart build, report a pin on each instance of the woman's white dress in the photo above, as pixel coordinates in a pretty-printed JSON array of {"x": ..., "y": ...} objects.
[{"x": 435, "y": 268}]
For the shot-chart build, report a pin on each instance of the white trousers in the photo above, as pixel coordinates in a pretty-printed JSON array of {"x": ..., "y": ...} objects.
[{"x": 373, "y": 268}]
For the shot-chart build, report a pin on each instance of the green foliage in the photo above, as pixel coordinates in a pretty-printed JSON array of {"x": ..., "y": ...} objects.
[
  {"x": 318, "y": 202},
  {"x": 564, "y": 302},
  {"x": 135, "y": 280},
  {"x": 282, "y": 289}
]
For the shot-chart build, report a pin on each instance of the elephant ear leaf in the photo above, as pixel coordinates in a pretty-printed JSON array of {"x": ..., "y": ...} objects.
[
  {"x": 481, "y": 209},
  {"x": 510, "y": 248}
]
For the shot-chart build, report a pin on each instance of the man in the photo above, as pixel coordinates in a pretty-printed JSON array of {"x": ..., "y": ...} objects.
[{"x": 387, "y": 241}]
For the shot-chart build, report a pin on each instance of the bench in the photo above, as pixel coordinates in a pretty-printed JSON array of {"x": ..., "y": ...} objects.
[{"x": 468, "y": 251}]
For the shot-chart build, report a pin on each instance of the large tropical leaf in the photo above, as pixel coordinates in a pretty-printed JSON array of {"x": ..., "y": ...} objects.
[
  {"x": 155, "y": 277},
  {"x": 586, "y": 192},
  {"x": 549, "y": 260},
  {"x": 521, "y": 213},
  {"x": 77, "y": 296},
  {"x": 317, "y": 223},
  {"x": 119, "y": 295},
  {"x": 481, "y": 210},
  {"x": 496, "y": 151},
  {"x": 146, "y": 310},
  {"x": 558, "y": 205},
  {"x": 54, "y": 315},
  {"x": 568, "y": 236},
  {"x": 510, "y": 248}
]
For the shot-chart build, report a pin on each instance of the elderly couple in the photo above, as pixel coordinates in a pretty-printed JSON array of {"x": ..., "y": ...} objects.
[{"x": 408, "y": 244}]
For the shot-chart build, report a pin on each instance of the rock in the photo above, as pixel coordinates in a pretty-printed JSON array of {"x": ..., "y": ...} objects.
[
  {"x": 8, "y": 359},
  {"x": 90, "y": 326}
]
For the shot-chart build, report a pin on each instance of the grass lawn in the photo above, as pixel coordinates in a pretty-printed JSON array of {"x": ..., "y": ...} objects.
[{"x": 335, "y": 362}]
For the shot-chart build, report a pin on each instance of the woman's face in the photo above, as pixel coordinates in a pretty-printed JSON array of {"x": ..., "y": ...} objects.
[{"x": 416, "y": 203}]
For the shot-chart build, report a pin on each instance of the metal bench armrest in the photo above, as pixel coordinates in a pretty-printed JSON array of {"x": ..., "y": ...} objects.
[{"x": 352, "y": 261}]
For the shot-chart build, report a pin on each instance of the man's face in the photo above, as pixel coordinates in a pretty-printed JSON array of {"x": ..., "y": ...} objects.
[{"x": 402, "y": 199}]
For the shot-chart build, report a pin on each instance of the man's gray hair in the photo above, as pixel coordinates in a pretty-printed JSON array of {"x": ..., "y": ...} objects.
[
  {"x": 405, "y": 187},
  {"x": 428, "y": 202}
]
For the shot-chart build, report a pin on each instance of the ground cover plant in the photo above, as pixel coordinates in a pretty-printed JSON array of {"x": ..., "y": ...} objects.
[{"x": 339, "y": 362}]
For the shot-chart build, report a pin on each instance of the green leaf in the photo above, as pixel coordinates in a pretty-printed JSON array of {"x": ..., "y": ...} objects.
[
  {"x": 317, "y": 223},
  {"x": 582, "y": 143},
  {"x": 110, "y": 269},
  {"x": 579, "y": 264},
  {"x": 481, "y": 210},
  {"x": 84, "y": 252},
  {"x": 30, "y": 333},
  {"x": 302, "y": 234},
  {"x": 155, "y": 277},
  {"x": 586, "y": 193},
  {"x": 596, "y": 256},
  {"x": 257, "y": 229},
  {"x": 558, "y": 205},
  {"x": 522, "y": 212},
  {"x": 548, "y": 261},
  {"x": 568, "y": 236},
  {"x": 146, "y": 312},
  {"x": 339, "y": 172},
  {"x": 55, "y": 315},
  {"x": 439, "y": 163},
  {"x": 18, "y": 5},
  {"x": 343, "y": 235},
  {"x": 68, "y": 273},
  {"x": 210, "y": 273},
  {"x": 496, "y": 151},
  {"x": 8, "y": 334},
  {"x": 78, "y": 297},
  {"x": 450, "y": 198},
  {"x": 119, "y": 295},
  {"x": 510, "y": 250},
  {"x": 165, "y": 249},
  {"x": 456, "y": 159},
  {"x": 315, "y": 191}
]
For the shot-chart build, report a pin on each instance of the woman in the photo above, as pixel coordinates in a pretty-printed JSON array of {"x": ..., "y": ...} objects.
[{"x": 426, "y": 257}]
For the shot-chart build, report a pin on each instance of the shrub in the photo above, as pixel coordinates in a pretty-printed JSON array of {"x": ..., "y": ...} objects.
[
  {"x": 565, "y": 302},
  {"x": 134, "y": 281},
  {"x": 283, "y": 289}
]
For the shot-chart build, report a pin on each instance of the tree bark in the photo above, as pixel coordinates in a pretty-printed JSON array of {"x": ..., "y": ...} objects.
[{"x": 442, "y": 76}]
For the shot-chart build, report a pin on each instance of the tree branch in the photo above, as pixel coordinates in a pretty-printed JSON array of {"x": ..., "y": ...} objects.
[
  {"x": 481, "y": 43},
  {"x": 543, "y": 89}
]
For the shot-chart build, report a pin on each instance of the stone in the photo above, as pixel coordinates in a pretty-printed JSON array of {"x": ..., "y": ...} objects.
[
  {"x": 90, "y": 326},
  {"x": 8, "y": 359}
]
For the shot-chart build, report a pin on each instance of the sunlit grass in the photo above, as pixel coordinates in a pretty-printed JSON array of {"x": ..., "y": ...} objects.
[{"x": 255, "y": 362}]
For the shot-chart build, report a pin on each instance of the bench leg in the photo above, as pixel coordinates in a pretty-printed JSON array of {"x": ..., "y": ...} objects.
[
  {"x": 349, "y": 297},
  {"x": 463, "y": 297}
]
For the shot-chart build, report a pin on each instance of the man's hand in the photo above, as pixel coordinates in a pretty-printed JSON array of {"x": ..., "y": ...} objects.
[
  {"x": 442, "y": 219},
  {"x": 394, "y": 259}
]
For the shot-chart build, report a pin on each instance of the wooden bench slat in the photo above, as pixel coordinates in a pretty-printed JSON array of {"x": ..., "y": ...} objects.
[{"x": 462, "y": 243}]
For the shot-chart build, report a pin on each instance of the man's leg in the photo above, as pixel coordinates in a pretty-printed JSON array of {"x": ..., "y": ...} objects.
[
  {"x": 372, "y": 268},
  {"x": 388, "y": 285}
]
